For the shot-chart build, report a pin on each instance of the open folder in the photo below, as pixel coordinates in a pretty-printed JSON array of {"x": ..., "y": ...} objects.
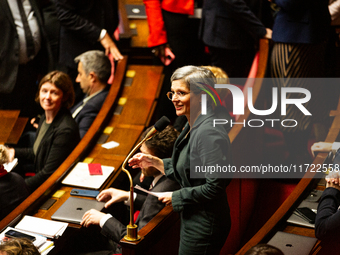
[{"x": 80, "y": 176}]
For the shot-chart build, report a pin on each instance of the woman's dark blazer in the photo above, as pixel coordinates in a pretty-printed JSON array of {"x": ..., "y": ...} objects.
[
  {"x": 300, "y": 21},
  {"x": 58, "y": 142}
]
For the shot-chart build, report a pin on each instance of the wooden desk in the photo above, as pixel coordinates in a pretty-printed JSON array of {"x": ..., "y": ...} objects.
[{"x": 11, "y": 125}]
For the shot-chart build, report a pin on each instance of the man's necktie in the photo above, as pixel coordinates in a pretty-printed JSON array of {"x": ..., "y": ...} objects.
[{"x": 28, "y": 33}]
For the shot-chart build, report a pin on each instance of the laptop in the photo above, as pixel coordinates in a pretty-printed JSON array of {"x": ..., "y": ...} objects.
[
  {"x": 291, "y": 244},
  {"x": 74, "y": 208}
]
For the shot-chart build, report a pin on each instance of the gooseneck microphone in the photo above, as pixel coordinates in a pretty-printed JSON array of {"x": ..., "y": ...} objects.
[{"x": 159, "y": 126}]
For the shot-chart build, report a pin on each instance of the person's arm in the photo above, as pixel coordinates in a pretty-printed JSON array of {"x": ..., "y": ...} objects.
[
  {"x": 71, "y": 20},
  {"x": 62, "y": 144},
  {"x": 334, "y": 9},
  {"x": 247, "y": 19},
  {"x": 157, "y": 32}
]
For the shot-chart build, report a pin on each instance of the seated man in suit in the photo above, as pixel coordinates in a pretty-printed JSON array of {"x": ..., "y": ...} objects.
[
  {"x": 161, "y": 145},
  {"x": 94, "y": 70},
  {"x": 327, "y": 220}
]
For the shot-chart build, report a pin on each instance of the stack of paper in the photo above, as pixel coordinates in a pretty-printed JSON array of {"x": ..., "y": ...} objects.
[
  {"x": 48, "y": 228},
  {"x": 40, "y": 242}
]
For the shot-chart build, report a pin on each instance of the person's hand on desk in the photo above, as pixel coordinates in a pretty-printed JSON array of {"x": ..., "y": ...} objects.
[
  {"x": 321, "y": 147},
  {"x": 111, "y": 196},
  {"x": 92, "y": 217},
  {"x": 166, "y": 198}
]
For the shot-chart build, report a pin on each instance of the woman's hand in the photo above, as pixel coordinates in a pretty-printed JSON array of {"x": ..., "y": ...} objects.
[
  {"x": 111, "y": 196},
  {"x": 166, "y": 198},
  {"x": 141, "y": 160}
]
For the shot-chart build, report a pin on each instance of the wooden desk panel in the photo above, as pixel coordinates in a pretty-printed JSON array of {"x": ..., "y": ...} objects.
[
  {"x": 17, "y": 130},
  {"x": 126, "y": 137},
  {"x": 146, "y": 82},
  {"x": 136, "y": 111},
  {"x": 8, "y": 119}
]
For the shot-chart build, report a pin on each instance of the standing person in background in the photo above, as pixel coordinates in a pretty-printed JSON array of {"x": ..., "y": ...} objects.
[
  {"x": 174, "y": 26},
  {"x": 24, "y": 54},
  {"x": 231, "y": 30},
  {"x": 85, "y": 25},
  {"x": 57, "y": 134},
  {"x": 300, "y": 31},
  {"x": 202, "y": 202}
]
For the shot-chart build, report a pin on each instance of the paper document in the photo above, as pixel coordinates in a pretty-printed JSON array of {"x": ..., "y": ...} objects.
[
  {"x": 156, "y": 194},
  {"x": 9, "y": 166},
  {"x": 48, "y": 228}
]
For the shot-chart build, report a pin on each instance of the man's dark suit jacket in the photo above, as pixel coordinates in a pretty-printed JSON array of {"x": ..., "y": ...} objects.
[
  {"x": 301, "y": 22},
  {"x": 12, "y": 192},
  {"x": 90, "y": 110},
  {"x": 230, "y": 24},
  {"x": 58, "y": 142},
  {"x": 115, "y": 230},
  {"x": 81, "y": 23},
  {"x": 9, "y": 46}
]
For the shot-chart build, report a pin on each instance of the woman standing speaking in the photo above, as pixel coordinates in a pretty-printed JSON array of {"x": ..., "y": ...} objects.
[{"x": 202, "y": 202}]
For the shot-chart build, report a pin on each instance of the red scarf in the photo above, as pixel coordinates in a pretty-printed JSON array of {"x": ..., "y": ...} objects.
[{"x": 2, "y": 171}]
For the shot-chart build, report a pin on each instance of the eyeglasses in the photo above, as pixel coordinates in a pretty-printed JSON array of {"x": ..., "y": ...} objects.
[{"x": 179, "y": 94}]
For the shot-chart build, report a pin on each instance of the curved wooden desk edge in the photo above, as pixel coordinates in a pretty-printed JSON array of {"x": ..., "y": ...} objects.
[
  {"x": 167, "y": 215},
  {"x": 296, "y": 193},
  {"x": 87, "y": 141}
]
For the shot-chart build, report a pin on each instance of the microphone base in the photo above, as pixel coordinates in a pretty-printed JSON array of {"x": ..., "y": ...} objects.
[{"x": 132, "y": 233}]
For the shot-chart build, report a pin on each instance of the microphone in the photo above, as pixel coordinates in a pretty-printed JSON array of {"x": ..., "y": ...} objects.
[{"x": 159, "y": 126}]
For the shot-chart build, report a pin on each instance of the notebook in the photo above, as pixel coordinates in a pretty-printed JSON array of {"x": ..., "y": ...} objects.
[
  {"x": 291, "y": 244},
  {"x": 74, "y": 208}
]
